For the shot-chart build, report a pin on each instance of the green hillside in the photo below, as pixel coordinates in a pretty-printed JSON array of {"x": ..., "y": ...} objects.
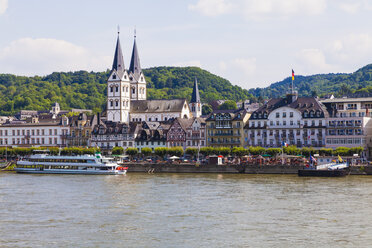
[
  {"x": 358, "y": 83},
  {"x": 87, "y": 90}
]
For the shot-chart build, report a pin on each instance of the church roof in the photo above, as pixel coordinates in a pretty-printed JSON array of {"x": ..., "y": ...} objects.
[
  {"x": 135, "y": 66},
  {"x": 118, "y": 64},
  {"x": 195, "y": 93},
  {"x": 157, "y": 106}
]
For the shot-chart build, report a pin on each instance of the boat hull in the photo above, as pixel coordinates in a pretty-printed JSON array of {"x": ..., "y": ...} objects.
[
  {"x": 322, "y": 173},
  {"x": 74, "y": 172}
]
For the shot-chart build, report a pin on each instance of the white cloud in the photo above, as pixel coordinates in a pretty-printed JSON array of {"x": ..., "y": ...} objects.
[
  {"x": 350, "y": 8},
  {"x": 41, "y": 56},
  {"x": 3, "y": 6},
  {"x": 313, "y": 61},
  {"x": 212, "y": 7},
  {"x": 246, "y": 66},
  {"x": 260, "y": 9}
]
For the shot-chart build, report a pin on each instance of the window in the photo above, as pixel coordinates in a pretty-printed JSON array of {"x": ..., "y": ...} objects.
[
  {"x": 111, "y": 104},
  {"x": 50, "y": 131},
  {"x": 133, "y": 90},
  {"x": 117, "y": 89},
  {"x": 284, "y": 114},
  {"x": 277, "y": 115},
  {"x": 111, "y": 89},
  {"x": 116, "y": 103},
  {"x": 114, "y": 76},
  {"x": 290, "y": 114}
]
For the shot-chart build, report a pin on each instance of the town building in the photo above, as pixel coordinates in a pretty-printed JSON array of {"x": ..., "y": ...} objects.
[
  {"x": 349, "y": 123},
  {"x": 107, "y": 135},
  {"x": 152, "y": 134},
  {"x": 177, "y": 132},
  {"x": 196, "y": 133},
  {"x": 35, "y": 132},
  {"x": 225, "y": 127},
  {"x": 126, "y": 94},
  {"x": 81, "y": 127},
  {"x": 293, "y": 120}
]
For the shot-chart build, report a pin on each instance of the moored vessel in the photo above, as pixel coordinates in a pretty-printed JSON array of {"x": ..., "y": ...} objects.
[{"x": 85, "y": 164}]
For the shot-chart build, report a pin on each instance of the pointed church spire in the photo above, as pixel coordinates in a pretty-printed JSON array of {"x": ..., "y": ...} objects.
[
  {"x": 118, "y": 63},
  {"x": 135, "y": 66},
  {"x": 195, "y": 93}
]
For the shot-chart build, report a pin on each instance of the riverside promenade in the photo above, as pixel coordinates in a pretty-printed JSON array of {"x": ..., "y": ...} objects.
[{"x": 230, "y": 169}]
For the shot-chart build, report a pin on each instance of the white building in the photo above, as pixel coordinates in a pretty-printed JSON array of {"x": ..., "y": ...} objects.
[
  {"x": 52, "y": 132},
  {"x": 292, "y": 120},
  {"x": 349, "y": 123},
  {"x": 126, "y": 94}
]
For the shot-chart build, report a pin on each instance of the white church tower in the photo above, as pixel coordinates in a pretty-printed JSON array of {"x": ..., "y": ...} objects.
[
  {"x": 118, "y": 89},
  {"x": 195, "y": 103},
  {"x": 136, "y": 77}
]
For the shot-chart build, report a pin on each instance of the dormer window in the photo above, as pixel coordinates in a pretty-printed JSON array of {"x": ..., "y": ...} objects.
[{"x": 114, "y": 76}]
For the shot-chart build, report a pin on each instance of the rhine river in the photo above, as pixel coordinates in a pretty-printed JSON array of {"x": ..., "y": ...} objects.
[{"x": 184, "y": 210}]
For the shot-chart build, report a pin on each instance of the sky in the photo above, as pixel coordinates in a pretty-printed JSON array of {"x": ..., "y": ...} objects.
[{"x": 252, "y": 43}]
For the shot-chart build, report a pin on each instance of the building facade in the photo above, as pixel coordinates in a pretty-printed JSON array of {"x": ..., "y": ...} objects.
[
  {"x": 291, "y": 120},
  {"x": 48, "y": 132},
  {"x": 349, "y": 123},
  {"x": 225, "y": 128}
]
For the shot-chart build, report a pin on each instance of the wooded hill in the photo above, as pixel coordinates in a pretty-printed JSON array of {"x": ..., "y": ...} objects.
[
  {"x": 87, "y": 90},
  {"x": 355, "y": 84}
]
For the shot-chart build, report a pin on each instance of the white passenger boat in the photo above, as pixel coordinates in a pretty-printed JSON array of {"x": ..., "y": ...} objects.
[{"x": 86, "y": 164}]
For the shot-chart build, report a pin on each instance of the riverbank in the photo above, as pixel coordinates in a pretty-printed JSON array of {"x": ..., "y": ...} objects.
[{"x": 231, "y": 169}]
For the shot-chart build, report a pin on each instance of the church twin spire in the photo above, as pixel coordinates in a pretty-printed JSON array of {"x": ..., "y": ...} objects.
[{"x": 118, "y": 63}]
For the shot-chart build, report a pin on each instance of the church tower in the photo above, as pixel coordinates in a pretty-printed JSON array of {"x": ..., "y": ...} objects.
[
  {"x": 195, "y": 104},
  {"x": 118, "y": 89},
  {"x": 136, "y": 77}
]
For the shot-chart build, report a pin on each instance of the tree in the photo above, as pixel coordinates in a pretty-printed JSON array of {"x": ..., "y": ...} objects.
[
  {"x": 207, "y": 109},
  {"x": 229, "y": 104},
  {"x": 356, "y": 150},
  {"x": 131, "y": 151},
  {"x": 191, "y": 151},
  {"x": 342, "y": 151},
  {"x": 239, "y": 151},
  {"x": 146, "y": 151},
  {"x": 307, "y": 151},
  {"x": 256, "y": 150},
  {"x": 161, "y": 151},
  {"x": 176, "y": 151},
  {"x": 117, "y": 150},
  {"x": 206, "y": 151},
  {"x": 326, "y": 151},
  {"x": 273, "y": 151},
  {"x": 291, "y": 150},
  {"x": 224, "y": 151}
]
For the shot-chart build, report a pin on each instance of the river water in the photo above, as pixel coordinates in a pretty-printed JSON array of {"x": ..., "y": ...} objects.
[{"x": 184, "y": 210}]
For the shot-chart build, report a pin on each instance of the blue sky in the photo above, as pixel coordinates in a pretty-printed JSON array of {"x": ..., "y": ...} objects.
[{"x": 252, "y": 43}]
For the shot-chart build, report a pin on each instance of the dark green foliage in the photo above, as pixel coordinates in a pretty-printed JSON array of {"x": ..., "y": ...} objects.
[
  {"x": 146, "y": 151},
  {"x": 206, "y": 109},
  {"x": 87, "y": 90},
  {"x": 229, "y": 104},
  {"x": 273, "y": 151},
  {"x": 131, "y": 151},
  {"x": 117, "y": 150},
  {"x": 191, "y": 151},
  {"x": 161, "y": 151},
  {"x": 291, "y": 150},
  {"x": 239, "y": 151},
  {"x": 175, "y": 151},
  {"x": 256, "y": 150},
  {"x": 358, "y": 83}
]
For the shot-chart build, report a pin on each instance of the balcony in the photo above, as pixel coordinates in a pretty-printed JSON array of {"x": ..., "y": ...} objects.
[{"x": 225, "y": 142}]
